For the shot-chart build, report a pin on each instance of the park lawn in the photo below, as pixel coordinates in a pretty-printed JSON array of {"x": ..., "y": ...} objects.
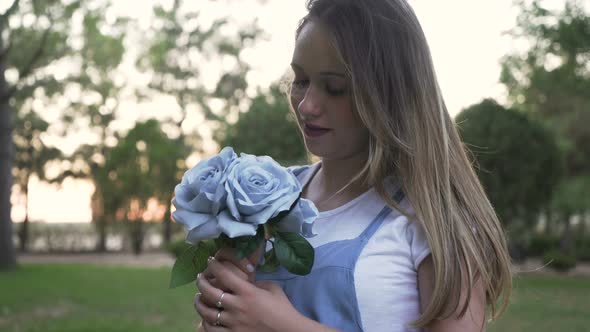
[
  {"x": 547, "y": 303},
  {"x": 69, "y": 298}
]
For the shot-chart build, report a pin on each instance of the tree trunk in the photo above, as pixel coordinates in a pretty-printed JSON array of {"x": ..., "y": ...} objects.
[
  {"x": 549, "y": 222},
  {"x": 7, "y": 253},
  {"x": 23, "y": 233},
  {"x": 168, "y": 221},
  {"x": 567, "y": 238},
  {"x": 101, "y": 226}
]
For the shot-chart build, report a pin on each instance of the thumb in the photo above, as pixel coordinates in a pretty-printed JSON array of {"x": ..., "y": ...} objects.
[
  {"x": 254, "y": 260},
  {"x": 255, "y": 257}
]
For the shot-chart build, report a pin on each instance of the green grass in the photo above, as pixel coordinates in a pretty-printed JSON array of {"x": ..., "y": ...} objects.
[
  {"x": 547, "y": 303},
  {"x": 67, "y": 298}
]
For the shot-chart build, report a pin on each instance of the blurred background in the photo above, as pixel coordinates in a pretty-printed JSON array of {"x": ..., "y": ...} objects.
[{"x": 104, "y": 105}]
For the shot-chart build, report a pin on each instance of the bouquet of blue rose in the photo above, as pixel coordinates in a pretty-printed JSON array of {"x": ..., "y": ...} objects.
[{"x": 242, "y": 202}]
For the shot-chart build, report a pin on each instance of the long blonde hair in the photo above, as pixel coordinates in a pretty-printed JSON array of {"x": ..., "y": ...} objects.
[{"x": 396, "y": 95}]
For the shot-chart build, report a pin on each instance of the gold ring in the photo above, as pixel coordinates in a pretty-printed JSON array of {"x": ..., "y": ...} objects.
[
  {"x": 219, "y": 304},
  {"x": 218, "y": 320}
]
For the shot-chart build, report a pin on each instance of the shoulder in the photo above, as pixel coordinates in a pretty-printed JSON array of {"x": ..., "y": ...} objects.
[{"x": 408, "y": 233}]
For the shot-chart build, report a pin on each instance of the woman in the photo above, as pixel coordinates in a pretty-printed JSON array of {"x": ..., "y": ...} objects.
[{"x": 407, "y": 239}]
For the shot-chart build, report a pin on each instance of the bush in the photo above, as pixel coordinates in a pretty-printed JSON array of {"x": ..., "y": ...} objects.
[
  {"x": 176, "y": 248},
  {"x": 583, "y": 249},
  {"x": 541, "y": 244},
  {"x": 559, "y": 261}
]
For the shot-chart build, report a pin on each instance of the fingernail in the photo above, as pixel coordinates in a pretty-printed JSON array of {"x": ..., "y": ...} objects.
[{"x": 250, "y": 268}]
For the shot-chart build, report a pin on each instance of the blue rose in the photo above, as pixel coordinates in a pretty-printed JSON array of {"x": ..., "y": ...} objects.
[
  {"x": 201, "y": 195},
  {"x": 258, "y": 189},
  {"x": 300, "y": 219}
]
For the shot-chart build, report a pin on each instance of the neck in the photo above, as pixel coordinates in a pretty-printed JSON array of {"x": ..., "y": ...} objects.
[{"x": 331, "y": 186}]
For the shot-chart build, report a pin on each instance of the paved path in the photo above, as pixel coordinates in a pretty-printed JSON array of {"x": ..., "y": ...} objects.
[
  {"x": 151, "y": 259},
  {"x": 163, "y": 259}
]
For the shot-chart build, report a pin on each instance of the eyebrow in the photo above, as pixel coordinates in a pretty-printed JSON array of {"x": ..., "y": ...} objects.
[{"x": 322, "y": 73}]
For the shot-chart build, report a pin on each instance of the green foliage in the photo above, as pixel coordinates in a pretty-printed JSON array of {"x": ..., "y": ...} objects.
[
  {"x": 139, "y": 166},
  {"x": 188, "y": 265},
  {"x": 176, "y": 248},
  {"x": 294, "y": 252},
  {"x": 551, "y": 79},
  {"x": 517, "y": 159},
  {"x": 572, "y": 195},
  {"x": 542, "y": 243},
  {"x": 179, "y": 45},
  {"x": 583, "y": 249},
  {"x": 559, "y": 261},
  {"x": 267, "y": 128},
  {"x": 31, "y": 152},
  {"x": 143, "y": 166}
]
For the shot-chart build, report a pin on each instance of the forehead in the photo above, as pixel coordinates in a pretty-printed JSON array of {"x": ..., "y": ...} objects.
[{"x": 314, "y": 51}]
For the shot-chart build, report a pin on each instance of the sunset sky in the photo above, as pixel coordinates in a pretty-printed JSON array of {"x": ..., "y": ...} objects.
[{"x": 465, "y": 37}]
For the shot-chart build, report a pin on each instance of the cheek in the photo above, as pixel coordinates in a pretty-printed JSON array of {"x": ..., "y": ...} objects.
[{"x": 295, "y": 101}]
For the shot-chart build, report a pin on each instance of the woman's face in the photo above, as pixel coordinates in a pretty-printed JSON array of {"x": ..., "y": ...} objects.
[{"x": 321, "y": 97}]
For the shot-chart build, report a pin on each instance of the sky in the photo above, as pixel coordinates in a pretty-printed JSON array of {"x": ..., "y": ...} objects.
[{"x": 465, "y": 36}]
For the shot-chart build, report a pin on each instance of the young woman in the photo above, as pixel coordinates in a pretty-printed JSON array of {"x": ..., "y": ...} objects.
[{"x": 407, "y": 239}]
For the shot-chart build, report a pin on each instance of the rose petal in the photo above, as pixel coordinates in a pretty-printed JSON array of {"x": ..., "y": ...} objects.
[
  {"x": 248, "y": 208},
  {"x": 233, "y": 228},
  {"x": 209, "y": 230},
  {"x": 231, "y": 203},
  {"x": 191, "y": 219},
  {"x": 281, "y": 204}
]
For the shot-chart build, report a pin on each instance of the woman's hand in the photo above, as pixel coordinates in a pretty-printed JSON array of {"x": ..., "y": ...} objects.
[
  {"x": 243, "y": 268},
  {"x": 246, "y": 306}
]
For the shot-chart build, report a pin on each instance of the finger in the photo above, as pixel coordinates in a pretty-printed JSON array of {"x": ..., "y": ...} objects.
[
  {"x": 211, "y": 295},
  {"x": 229, "y": 254},
  {"x": 232, "y": 265},
  {"x": 212, "y": 328},
  {"x": 228, "y": 279},
  {"x": 196, "y": 299},
  {"x": 210, "y": 315}
]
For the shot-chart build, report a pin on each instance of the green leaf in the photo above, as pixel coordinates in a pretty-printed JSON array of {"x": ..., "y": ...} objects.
[
  {"x": 246, "y": 245},
  {"x": 294, "y": 252},
  {"x": 190, "y": 263},
  {"x": 271, "y": 262}
]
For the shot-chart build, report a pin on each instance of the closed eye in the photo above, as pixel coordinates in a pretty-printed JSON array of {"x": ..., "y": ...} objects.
[{"x": 299, "y": 84}]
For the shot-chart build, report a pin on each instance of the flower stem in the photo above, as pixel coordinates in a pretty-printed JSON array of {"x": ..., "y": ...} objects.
[{"x": 267, "y": 234}]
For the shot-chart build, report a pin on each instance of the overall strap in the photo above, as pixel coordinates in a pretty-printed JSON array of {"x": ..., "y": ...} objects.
[{"x": 376, "y": 223}]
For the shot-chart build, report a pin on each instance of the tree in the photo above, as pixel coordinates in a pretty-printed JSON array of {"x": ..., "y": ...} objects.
[
  {"x": 518, "y": 161},
  {"x": 93, "y": 109},
  {"x": 178, "y": 47},
  {"x": 32, "y": 155},
  {"x": 142, "y": 167},
  {"x": 33, "y": 37},
  {"x": 551, "y": 78},
  {"x": 267, "y": 128}
]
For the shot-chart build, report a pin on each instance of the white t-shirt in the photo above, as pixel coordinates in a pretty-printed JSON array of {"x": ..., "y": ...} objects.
[{"x": 385, "y": 276}]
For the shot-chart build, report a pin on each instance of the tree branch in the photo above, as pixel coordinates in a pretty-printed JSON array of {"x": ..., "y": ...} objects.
[
  {"x": 4, "y": 17},
  {"x": 4, "y": 52},
  {"x": 28, "y": 68}
]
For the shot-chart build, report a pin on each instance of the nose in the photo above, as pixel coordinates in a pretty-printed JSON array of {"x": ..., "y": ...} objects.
[{"x": 310, "y": 105}]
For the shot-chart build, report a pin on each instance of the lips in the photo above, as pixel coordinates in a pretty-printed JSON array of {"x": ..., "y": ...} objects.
[{"x": 312, "y": 130}]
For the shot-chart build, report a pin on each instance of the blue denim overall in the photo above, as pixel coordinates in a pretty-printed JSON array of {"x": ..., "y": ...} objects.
[{"x": 327, "y": 294}]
